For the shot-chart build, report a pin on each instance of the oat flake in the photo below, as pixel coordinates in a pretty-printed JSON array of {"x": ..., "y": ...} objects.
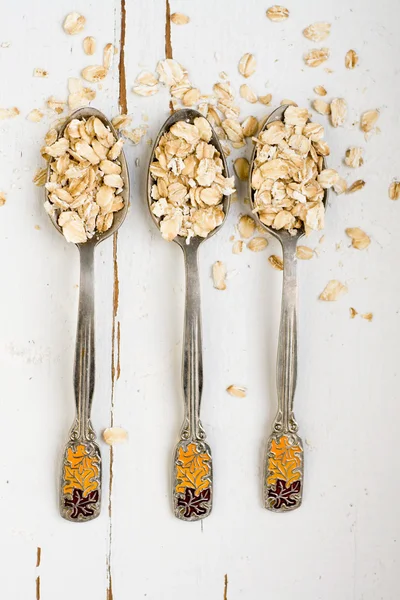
[
  {"x": 237, "y": 391},
  {"x": 276, "y": 262},
  {"x": 333, "y": 290},
  {"x": 219, "y": 275}
]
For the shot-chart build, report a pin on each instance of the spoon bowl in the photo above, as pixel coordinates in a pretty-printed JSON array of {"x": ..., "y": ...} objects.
[
  {"x": 119, "y": 217},
  {"x": 188, "y": 115},
  {"x": 282, "y": 234}
]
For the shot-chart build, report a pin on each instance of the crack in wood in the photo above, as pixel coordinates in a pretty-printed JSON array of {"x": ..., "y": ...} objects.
[
  {"x": 110, "y": 595},
  {"x": 116, "y": 326},
  {"x": 118, "y": 369},
  {"x": 226, "y": 587},
  {"x": 168, "y": 45},
  {"x": 123, "y": 104},
  {"x": 38, "y": 587},
  {"x": 38, "y": 556}
]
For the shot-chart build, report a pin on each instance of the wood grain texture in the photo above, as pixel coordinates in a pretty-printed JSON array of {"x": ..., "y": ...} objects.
[{"x": 347, "y": 393}]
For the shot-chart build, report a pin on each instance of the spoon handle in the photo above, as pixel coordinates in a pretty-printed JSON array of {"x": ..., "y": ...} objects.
[
  {"x": 284, "y": 463},
  {"x": 81, "y": 470},
  {"x": 192, "y": 492}
]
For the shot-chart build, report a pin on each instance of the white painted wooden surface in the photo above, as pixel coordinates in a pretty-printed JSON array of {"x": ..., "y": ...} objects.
[{"x": 343, "y": 542}]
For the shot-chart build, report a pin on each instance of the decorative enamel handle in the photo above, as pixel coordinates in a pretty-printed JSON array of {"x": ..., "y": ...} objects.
[
  {"x": 192, "y": 491},
  {"x": 80, "y": 492},
  {"x": 284, "y": 461}
]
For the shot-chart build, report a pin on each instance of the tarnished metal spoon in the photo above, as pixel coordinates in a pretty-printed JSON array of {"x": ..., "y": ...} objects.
[
  {"x": 192, "y": 460},
  {"x": 80, "y": 485},
  {"x": 285, "y": 447}
]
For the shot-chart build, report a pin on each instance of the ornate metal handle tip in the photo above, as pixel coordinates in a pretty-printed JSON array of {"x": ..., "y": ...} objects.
[
  {"x": 81, "y": 482},
  {"x": 192, "y": 492},
  {"x": 283, "y": 484}
]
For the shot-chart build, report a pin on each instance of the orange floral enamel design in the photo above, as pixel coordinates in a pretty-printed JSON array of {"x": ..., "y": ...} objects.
[
  {"x": 192, "y": 469},
  {"x": 81, "y": 472},
  {"x": 284, "y": 462}
]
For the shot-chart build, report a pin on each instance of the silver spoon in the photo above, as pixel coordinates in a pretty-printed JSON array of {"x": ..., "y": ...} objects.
[
  {"x": 192, "y": 452},
  {"x": 284, "y": 447},
  {"x": 80, "y": 485}
]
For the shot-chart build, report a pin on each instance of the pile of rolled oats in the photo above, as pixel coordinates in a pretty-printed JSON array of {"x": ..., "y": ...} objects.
[
  {"x": 85, "y": 183},
  {"x": 289, "y": 178},
  {"x": 189, "y": 184}
]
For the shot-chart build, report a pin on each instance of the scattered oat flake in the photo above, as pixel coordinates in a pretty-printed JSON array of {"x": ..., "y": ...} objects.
[
  {"x": 316, "y": 57},
  {"x": 94, "y": 73},
  {"x": 340, "y": 186},
  {"x": 354, "y": 157},
  {"x": 89, "y": 45},
  {"x": 277, "y": 13},
  {"x": 2, "y": 198},
  {"x": 359, "y": 239},
  {"x": 237, "y": 247},
  {"x": 179, "y": 19},
  {"x": 368, "y": 120},
  {"x": 8, "y": 113},
  {"x": 351, "y": 59},
  {"x": 353, "y": 312},
  {"x": 145, "y": 90},
  {"x": 338, "y": 112},
  {"x": 304, "y": 252},
  {"x": 121, "y": 121},
  {"x": 191, "y": 97},
  {"x": 357, "y": 185},
  {"x": 114, "y": 435},
  {"x": 322, "y": 107},
  {"x": 266, "y": 100},
  {"x": 327, "y": 178},
  {"x": 250, "y": 126},
  {"x": 320, "y": 90},
  {"x": 56, "y": 105},
  {"x": 317, "y": 32},
  {"x": 276, "y": 262},
  {"x": 242, "y": 168},
  {"x": 136, "y": 134},
  {"x": 288, "y": 102},
  {"x": 246, "y": 226},
  {"x": 247, "y": 93},
  {"x": 170, "y": 72},
  {"x": 367, "y": 316},
  {"x": 35, "y": 115},
  {"x": 40, "y": 73},
  {"x": 257, "y": 244},
  {"x": 219, "y": 275},
  {"x": 146, "y": 78},
  {"x": 74, "y": 23},
  {"x": 81, "y": 98},
  {"x": 247, "y": 65},
  {"x": 333, "y": 290},
  {"x": 394, "y": 190},
  {"x": 237, "y": 391},
  {"x": 40, "y": 177},
  {"x": 108, "y": 54}
]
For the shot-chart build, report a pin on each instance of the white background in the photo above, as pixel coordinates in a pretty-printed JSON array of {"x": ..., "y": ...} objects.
[{"x": 343, "y": 542}]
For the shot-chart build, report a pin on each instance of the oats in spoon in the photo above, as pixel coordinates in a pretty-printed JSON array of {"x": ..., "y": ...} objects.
[
  {"x": 188, "y": 184},
  {"x": 85, "y": 184},
  {"x": 289, "y": 177}
]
